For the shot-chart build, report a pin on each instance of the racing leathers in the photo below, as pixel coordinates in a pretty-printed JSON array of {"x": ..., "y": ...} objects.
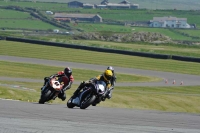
[
  {"x": 100, "y": 77},
  {"x": 66, "y": 80}
]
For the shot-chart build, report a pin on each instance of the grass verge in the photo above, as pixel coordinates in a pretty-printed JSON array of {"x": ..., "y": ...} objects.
[{"x": 171, "y": 99}]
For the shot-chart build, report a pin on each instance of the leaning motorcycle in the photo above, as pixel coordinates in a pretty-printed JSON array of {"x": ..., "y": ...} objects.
[
  {"x": 51, "y": 90},
  {"x": 90, "y": 94}
]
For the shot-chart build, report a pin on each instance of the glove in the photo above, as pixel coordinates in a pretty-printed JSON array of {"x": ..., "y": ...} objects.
[{"x": 89, "y": 81}]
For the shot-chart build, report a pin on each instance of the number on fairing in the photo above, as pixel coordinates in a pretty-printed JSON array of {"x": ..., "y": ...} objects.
[
  {"x": 56, "y": 84},
  {"x": 101, "y": 87}
]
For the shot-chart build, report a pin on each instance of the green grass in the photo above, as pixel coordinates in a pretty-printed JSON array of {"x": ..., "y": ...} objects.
[
  {"x": 16, "y": 19},
  {"x": 33, "y": 71},
  {"x": 171, "y": 99},
  {"x": 26, "y": 24},
  {"x": 174, "y": 34},
  {"x": 12, "y": 14},
  {"x": 87, "y": 27},
  {"x": 151, "y": 48},
  {"x": 84, "y": 56}
]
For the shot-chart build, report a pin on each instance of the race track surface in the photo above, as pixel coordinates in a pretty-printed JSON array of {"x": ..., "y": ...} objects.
[
  {"x": 24, "y": 117},
  {"x": 27, "y": 117}
]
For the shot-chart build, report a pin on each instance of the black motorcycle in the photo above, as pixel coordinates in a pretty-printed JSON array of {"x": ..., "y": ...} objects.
[
  {"x": 91, "y": 93},
  {"x": 51, "y": 90}
]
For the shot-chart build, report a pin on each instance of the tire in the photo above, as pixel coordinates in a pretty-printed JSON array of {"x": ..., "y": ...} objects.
[
  {"x": 70, "y": 104},
  {"x": 45, "y": 97},
  {"x": 87, "y": 102}
]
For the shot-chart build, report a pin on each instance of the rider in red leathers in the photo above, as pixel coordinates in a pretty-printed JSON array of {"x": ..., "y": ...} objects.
[{"x": 67, "y": 79}]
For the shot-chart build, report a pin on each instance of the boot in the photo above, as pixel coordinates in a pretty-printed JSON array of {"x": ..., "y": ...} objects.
[{"x": 62, "y": 96}]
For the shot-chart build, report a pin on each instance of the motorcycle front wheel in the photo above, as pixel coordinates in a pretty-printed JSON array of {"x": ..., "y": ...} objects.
[
  {"x": 45, "y": 97},
  {"x": 70, "y": 104},
  {"x": 87, "y": 100}
]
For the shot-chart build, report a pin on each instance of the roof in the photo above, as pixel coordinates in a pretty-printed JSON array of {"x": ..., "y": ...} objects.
[
  {"x": 125, "y": 2},
  {"x": 75, "y": 1},
  {"x": 114, "y": 4},
  {"x": 160, "y": 19},
  {"x": 72, "y": 15},
  {"x": 62, "y": 18}
]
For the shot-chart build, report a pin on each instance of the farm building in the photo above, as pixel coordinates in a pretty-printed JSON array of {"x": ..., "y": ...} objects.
[
  {"x": 171, "y": 22},
  {"x": 122, "y": 5},
  {"x": 88, "y": 6},
  {"x": 118, "y": 6},
  {"x": 75, "y": 4},
  {"x": 125, "y": 2},
  {"x": 104, "y": 2},
  {"x": 63, "y": 19},
  {"x": 101, "y": 6},
  {"x": 79, "y": 17}
]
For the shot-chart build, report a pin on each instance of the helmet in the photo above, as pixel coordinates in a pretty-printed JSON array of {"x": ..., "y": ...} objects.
[
  {"x": 110, "y": 68},
  {"x": 107, "y": 75},
  {"x": 68, "y": 71}
]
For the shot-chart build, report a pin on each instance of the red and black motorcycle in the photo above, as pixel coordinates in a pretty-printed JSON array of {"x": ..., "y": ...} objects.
[{"x": 51, "y": 90}]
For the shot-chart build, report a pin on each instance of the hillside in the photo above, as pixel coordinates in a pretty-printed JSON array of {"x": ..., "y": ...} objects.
[{"x": 149, "y": 4}]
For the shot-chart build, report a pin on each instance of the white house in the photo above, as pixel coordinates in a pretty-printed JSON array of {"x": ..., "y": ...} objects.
[{"x": 171, "y": 22}]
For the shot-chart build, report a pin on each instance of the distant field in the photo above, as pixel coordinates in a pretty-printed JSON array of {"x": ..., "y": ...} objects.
[
  {"x": 16, "y": 19},
  {"x": 129, "y": 15},
  {"x": 11, "y": 14},
  {"x": 26, "y": 24},
  {"x": 117, "y": 28},
  {"x": 87, "y": 27},
  {"x": 149, "y": 4}
]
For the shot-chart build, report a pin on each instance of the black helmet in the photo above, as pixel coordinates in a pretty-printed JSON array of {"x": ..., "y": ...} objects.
[
  {"x": 68, "y": 71},
  {"x": 111, "y": 68}
]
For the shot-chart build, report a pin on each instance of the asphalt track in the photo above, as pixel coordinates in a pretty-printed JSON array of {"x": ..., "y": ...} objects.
[{"x": 27, "y": 117}]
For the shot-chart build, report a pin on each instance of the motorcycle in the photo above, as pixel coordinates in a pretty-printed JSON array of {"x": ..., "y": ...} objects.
[
  {"x": 91, "y": 93},
  {"x": 51, "y": 90}
]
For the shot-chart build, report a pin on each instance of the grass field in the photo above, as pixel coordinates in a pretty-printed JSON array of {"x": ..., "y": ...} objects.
[
  {"x": 131, "y": 15},
  {"x": 16, "y": 19},
  {"x": 84, "y": 56},
  {"x": 148, "y": 4},
  {"x": 127, "y": 29}
]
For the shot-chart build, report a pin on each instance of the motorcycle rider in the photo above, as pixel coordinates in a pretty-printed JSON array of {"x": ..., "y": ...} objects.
[
  {"x": 113, "y": 81},
  {"x": 106, "y": 77},
  {"x": 66, "y": 78}
]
